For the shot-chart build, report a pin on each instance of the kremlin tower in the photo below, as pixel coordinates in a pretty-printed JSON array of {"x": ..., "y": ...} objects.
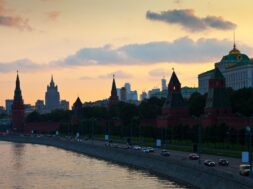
[
  {"x": 217, "y": 100},
  {"x": 18, "y": 110},
  {"x": 175, "y": 104},
  {"x": 77, "y": 111},
  {"x": 114, "y": 99}
]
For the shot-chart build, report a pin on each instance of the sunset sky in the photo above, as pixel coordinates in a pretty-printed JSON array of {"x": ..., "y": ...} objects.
[{"x": 83, "y": 42}]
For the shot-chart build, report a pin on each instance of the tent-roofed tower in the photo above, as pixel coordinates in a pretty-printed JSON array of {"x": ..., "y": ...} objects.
[
  {"x": 114, "y": 99},
  {"x": 218, "y": 102},
  {"x": 77, "y": 111},
  {"x": 18, "y": 110},
  {"x": 174, "y": 104}
]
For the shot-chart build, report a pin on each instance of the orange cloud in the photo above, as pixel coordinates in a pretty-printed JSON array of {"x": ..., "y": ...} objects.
[
  {"x": 8, "y": 19},
  {"x": 53, "y": 15}
]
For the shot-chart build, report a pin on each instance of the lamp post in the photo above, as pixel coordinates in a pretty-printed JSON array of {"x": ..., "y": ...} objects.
[
  {"x": 249, "y": 133},
  {"x": 199, "y": 137},
  {"x": 199, "y": 141}
]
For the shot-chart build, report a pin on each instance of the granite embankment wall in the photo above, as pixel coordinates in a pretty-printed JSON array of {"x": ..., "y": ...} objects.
[{"x": 181, "y": 171}]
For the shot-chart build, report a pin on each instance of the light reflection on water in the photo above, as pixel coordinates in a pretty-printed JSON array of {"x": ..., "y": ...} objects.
[{"x": 27, "y": 166}]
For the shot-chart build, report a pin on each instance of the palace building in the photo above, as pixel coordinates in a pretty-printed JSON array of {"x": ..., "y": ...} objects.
[{"x": 236, "y": 67}]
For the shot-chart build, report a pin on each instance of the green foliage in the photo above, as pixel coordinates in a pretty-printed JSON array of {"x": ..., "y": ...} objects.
[
  {"x": 196, "y": 104},
  {"x": 151, "y": 108},
  {"x": 95, "y": 111},
  {"x": 55, "y": 116},
  {"x": 242, "y": 101}
]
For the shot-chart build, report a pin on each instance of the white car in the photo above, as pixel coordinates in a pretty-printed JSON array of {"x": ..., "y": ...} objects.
[
  {"x": 136, "y": 147},
  {"x": 147, "y": 149}
]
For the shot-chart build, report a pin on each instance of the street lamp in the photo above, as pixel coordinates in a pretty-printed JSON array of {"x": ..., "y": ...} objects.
[
  {"x": 249, "y": 133},
  {"x": 199, "y": 137},
  {"x": 199, "y": 141}
]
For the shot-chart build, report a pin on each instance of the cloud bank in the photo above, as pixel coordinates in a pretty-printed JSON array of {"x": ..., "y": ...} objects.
[
  {"x": 8, "y": 19},
  {"x": 187, "y": 19},
  {"x": 182, "y": 50}
]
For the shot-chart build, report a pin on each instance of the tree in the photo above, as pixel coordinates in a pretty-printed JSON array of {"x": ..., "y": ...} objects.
[{"x": 196, "y": 104}]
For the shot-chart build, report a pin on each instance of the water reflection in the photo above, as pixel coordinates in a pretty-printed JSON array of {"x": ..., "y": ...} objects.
[
  {"x": 18, "y": 152},
  {"x": 38, "y": 167}
]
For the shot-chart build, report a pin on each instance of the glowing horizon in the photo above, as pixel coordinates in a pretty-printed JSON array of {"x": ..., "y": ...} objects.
[{"x": 82, "y": 43}]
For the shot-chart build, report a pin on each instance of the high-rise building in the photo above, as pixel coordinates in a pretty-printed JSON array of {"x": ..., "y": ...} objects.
[
  {"x": 128, "y": 90},
  {"x": 114, "y": 99},
  {"x": 52, "y": 96},
  {"x": 133, "y": 96},
  {"x": 123, "y": 94},
  {"x": 18, "y": 109},
  {"x": 164, "y": 85},
  {"x": 64, "y": 105},
  {"x": 143, "y": 96},
  {"x": 154, "y": 93},
  {"x": 128, "y": 87},
  {"x": 40, "y": 106},
  {"x": 8, "y": 105}
]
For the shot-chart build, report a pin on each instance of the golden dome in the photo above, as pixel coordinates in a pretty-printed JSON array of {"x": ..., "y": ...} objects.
[{"x": 234, "y": 50}]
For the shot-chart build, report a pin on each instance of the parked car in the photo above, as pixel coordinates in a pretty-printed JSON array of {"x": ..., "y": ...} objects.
[
  {"x": 223, "y": 162},
  {"x": 193, "y": 156},
  {"x": 165, "y": 153},
  {"x": 244, "y": 169},
  {"x": 209, "y": 163}
]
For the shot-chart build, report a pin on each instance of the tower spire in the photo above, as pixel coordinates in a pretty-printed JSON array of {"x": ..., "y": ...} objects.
[
  {"x": 114, "y": 97},
  {"x": 234, "y": 40},
  {"x": 52, "y": 80},
  {"x": 17, "y": 88}
]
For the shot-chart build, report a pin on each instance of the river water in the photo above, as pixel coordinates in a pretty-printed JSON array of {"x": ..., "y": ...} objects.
[{"x": 27, "y": 166}]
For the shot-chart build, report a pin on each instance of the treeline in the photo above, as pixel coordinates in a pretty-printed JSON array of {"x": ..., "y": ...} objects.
[{"x": 124, "y": 119}]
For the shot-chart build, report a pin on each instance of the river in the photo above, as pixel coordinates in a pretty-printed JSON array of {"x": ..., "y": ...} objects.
[{"x": 27, "y": 166}]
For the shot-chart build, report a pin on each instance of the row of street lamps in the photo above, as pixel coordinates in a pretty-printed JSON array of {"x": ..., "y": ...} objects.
[{"x": 248, "y": 132}]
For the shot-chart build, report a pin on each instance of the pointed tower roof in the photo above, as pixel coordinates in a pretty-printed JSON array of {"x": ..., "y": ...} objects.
[
  {"x": 78, "y": 102},
  {"x": 173, "y": 79},
  {"x": 17, "y": 93},
  {"x": 52, "y": 81},
  {"x": 114, "y": 88},
  {"x": 217, "y": 74},
  {"x": 114, "y": 97}
]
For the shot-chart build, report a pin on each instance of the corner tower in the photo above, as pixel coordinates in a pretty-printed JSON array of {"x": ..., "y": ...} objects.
[{"x": 18, "y": 110}]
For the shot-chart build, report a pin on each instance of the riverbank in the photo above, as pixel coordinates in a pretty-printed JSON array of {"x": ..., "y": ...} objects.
[{"x": 181, "y": 171}]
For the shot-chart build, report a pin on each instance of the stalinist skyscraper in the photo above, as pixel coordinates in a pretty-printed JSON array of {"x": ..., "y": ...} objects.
[{"x": 52, "y": 96}]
